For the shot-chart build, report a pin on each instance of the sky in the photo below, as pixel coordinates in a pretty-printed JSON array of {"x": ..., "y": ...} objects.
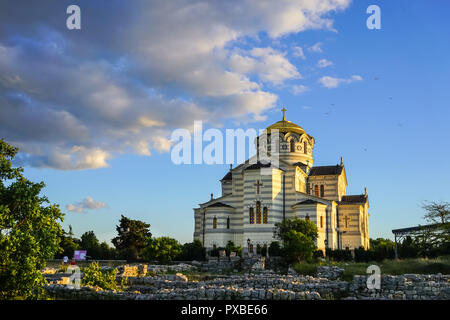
[{"x": 93, "y": 110}]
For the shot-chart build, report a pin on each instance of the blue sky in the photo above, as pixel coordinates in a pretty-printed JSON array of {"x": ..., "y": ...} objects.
[{"x": 74, "y": 101}]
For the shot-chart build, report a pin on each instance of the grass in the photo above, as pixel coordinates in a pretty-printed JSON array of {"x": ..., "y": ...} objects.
[{"x": 388, "y": 267}]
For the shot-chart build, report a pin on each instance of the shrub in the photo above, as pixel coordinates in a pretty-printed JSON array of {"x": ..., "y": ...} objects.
[
  {"x": 163, "y": 249},
  {"x": 275, "y": 249},
  {"x": 318, "y": 254},
  {"x": 192, "y": 251},
  {"x": 307, "y": 269},
  {"x": 230, "y": 247},
  {"x": 94, "y": 276},
  {"x": 297, "y": 247}
]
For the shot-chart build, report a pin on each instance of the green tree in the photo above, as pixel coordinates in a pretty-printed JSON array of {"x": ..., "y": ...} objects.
[
  {"x": 297, "y": 247},
  {"x": 298, "y": 237},
  {"x": 192, "y": 251},
  {"x": 30, "y": 232},
  {"x": 275, "y": 249},
  {"x": 132, "y": 237},
  {"x": 231, "y": 247},
  {"x": 163, "y": 249},
  {"x": 107, "y": 252},
  {"x": 68, "y": 244},
  {"x": 306, "y": 227},
  {"x": 90, "y": 243}
]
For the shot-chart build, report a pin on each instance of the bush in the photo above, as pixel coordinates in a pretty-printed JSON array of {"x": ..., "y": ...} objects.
[
  {"x": 297, "y": 247},
  {"x": 215, "y": 252},
  {"x": 94, "y": 276},
  {"x": 339, "y": 255},
  {"x": 307, "y": 269},
  {"x": 232, "y": 248},
  {"x": 163, "y": 249},
  {"x": 275, "y": 249},
  {"x": 192, "y": 251},
  {"x": 318, "y": 254}
]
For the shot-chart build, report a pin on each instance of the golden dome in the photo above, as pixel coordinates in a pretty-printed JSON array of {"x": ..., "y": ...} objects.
[{"x": 285, "y": 126}]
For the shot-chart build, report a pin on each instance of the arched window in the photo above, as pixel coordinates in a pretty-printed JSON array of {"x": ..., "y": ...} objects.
[
  {"x": 292, "y": 144},
  {"x": 322, "y": 190},
  {"x": 321, "y": 221},
  {"x": 265, "y": 215},
  {"x": 215, "y": 223},
  {"x": 305, "y": 147},
  {"x": 316, "y": 190},
  {"x": 251, "y": 216},
  {"x": 228, "y": 223},
  {"x": 258, "y": 212}
]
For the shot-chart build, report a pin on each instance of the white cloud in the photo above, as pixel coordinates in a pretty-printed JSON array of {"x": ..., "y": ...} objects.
[
  {"x": 269, "y": 64},
  {"x": 86, "y": 204},
  {"x": 299, "y": 89},
  {"x": 70, "y": 106},
  {"x": 317, "y": 47},
  {"x": 298, "y": 52},
  {"x": 330, "y": 82},
  {"x": 323, "y": 63}
]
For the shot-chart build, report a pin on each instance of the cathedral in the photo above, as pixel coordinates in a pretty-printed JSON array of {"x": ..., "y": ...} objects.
[{"x": 252, "y": 201}]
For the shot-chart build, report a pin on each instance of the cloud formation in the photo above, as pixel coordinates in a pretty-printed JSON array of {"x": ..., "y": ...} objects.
[
  {"x": 86, "y": 204},
  {"x": 330, "y": 82},
  {"x": 317, "y": 47},
  {"x": 299, "y": 89},
  {"x": 72, "y": 100},
  {"x": 323, "y": 63}
]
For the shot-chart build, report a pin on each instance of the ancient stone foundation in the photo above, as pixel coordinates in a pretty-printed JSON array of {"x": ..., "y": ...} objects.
[{"x": 266, "y": 285}]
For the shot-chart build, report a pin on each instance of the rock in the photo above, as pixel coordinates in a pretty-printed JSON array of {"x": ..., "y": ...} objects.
[{"x": 331, "y": 273}]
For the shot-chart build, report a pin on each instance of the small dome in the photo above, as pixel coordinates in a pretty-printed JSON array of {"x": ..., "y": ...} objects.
[{"x": 285, "y": 126}]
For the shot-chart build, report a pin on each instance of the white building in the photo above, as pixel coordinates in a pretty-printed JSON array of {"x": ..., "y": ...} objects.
[{"x": 253, "y": 201}]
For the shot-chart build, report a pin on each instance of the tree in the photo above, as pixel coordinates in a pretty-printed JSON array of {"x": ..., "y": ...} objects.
[
  {"x": 434, "y": 241},
  {"x": 275, "y": 249},
  {"x": 437, "y": 212},
  {"x": 297, "y": 247},
  {"x": 299, "y": 237},
  {"x": 30, "y": 232},
  {"x": 90, "y": 243},
  {"x": 192, "y": 251},
  {"x": 306, "y": 227},
  {"x": 132, "y": 238},
  {"x": 106, "y": 252},
  {"x": 68, "y": 244},
  {"x": 231, "y": 247},
  {"x": 163, "y": 249}
]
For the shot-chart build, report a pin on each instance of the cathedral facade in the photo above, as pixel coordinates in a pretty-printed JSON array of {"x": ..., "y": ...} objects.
[{"x": 252, "y": 201}]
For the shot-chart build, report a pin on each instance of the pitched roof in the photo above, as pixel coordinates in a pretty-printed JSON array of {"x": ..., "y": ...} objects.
[
  {"x": 360, "y": 198},
  {"x": 260, "y": 165},
  {"x": 219, "y": 204},
  {"x": 228, "y": 176},
  {"x": 326, "y": 170},
  {"x": 301, "y": 166},
  {"x": 308, "y": 201}
]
